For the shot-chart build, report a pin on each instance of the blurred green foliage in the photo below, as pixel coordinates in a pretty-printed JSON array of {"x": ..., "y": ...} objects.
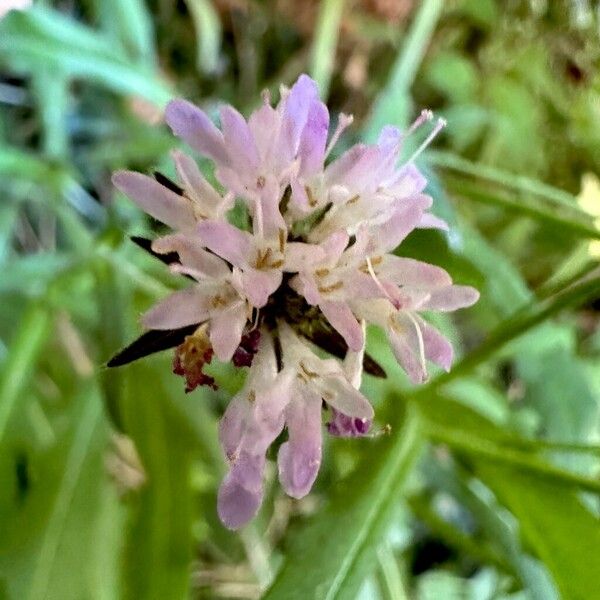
[{"x": 486, "y": 487}]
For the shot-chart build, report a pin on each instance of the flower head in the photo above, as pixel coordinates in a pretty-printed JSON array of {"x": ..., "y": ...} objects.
[{"x": 314, "y": 266}]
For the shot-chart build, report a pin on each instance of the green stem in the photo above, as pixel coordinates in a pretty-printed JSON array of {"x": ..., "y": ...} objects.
[
  {"x": 484, "y": 449},
  {"x": 577, "y": 221},
  {"x": 325, "y": 43},
  {"x": 514, "y": 327},
  {"x": 512, "y": 181},
  {"x": 23, "y": 355}
]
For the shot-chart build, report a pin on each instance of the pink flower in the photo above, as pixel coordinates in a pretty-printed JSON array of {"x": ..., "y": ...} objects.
[{"x": 316, "y": 264}]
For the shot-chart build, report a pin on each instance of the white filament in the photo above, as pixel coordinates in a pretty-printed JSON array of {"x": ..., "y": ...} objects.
[
  {"x": 344, "y": 121},
  {"x": 441, "y": 123}
]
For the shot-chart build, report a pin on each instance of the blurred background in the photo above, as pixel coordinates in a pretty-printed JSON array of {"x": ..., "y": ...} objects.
[{"x": 486, "y": 485}]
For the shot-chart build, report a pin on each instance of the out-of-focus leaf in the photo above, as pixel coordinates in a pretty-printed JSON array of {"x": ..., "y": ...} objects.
[
  {"x": 44, "y": 39},
  {"x": 131, "y": 23},
  {"x": 555, "y": 523},
  {"x": 333, "y": 553},
  {"x": 208, "y": 35},
  {"x": 53, "y": 532},
  {"x": 325, "y": 43},
  {"x": 159, "y": 546},
  {"x": 523, "y": 321},
  {"x": 21, "y": 360},
  {"x": 557, "y": 386},
  {"x": 31, "y": 274},
  {"x": 497, "y": 530},
  {"x": 571, "y": 219},
  {"x": 511, "y": 181},
  {"x": 24, "y": 166},
  {"x": 393, "y": 104},
  {"x": 453, "y": 75},
  {"x": 51, "y": 91}
]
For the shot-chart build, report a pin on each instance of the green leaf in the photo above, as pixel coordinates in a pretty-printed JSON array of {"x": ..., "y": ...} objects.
[
  {"x": 510, "y": 181},
  {"x": 393, "y": 104},
  {"x": 131, "y": 23},
  {"x": 513, "y": 327},
  {"x": 325, "y": 43},
  {"x": 159, "y": 545},
  {"x": 58, "y": 512},
  {"x": 571, "y": 219},
  {"x": 208, "y": 34},
  {"x": 20, "y": 363},
  {"x": 43, "y": 39},
  {"x": 555, "y": 523},
  {"x": 332, "y": 554}
]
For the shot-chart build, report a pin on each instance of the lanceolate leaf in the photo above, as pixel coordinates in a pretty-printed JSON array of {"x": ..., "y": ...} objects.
[
  {"x": 330, "y": 557},
  {"x": 555, "y": 523},
  {"x": 43, "y": 39}
]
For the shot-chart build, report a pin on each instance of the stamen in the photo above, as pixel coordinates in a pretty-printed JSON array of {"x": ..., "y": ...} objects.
[
  {"x": 331, "y": 288},
  {"x": 307, "y": 372},
  {"x": 376, "y": 280},
  {"x": 322, "y": 272},
  {"x": 282, "y": 236},
  {"x": 257, "y": 220},
  {"x": 178, "y": 269},
  {"x": 441, "y": 123},
  {"x": 425, "y": 116},
  {"x": 344, "y": 121},
  {"x": 312, "y": 201},
  {"x": 266, "y": 96},
  {"x": 420, "y": 342}
]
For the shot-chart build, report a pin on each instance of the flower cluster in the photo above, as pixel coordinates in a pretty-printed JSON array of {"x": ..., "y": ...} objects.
[{"x": 315, "y": 265}]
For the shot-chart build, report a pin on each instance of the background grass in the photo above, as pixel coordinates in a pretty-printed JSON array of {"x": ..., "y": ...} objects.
[{"x": 486, "y": 487}]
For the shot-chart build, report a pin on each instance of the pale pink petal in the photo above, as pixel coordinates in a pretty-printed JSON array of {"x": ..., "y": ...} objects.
[
  {"x": 404, "y": 339},
  {"x": 437, "y": 348},
  {"x": 300, "y": 256},
  {"x": 209, "y": 202},
  {"x": 302, "y": 96},
  {"x": 299, "y": 200},
  {"x": 184, "y": 307},
  {"x": 272, "y": 222},
  {"x": 313, "y": 140},
  {"x": 194, "y": 127},
  {"x": 237, "y": 504},
  {"x": 334, "y": 245},
  {"x": 410, "y": 272},
  {"x": 306, "y": 286},
  {"x": 233, "y": 424},
  {"x": 451, "y": 298},
  {"x": 227, "y": 241},
  {"x": 264, "y": 124},
  {"x": 259, "y": 285},
  {"x": 354, "y": 168},
  {"x": 405, "y": 218},
  {"x": 192, "y": 254},
  {"x": 155, "y": 199},
  {"x": 429, "y": 221},
  {"x": 299, "y": 458},
  {"x": 408, "y": 181},
  {"x": 353, "y": 362},
  {"x": 239, "y": 141},
  {"x": 341, "y": 318},
  {"x": 339, "y": 393},
  {"x": 226, "y": 327}
]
